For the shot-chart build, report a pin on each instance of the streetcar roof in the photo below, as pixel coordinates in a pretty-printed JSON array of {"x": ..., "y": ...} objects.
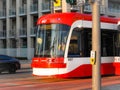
[{"x": 69, "y": 18}]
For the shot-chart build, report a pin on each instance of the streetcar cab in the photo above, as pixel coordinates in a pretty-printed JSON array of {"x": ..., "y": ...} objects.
[{"x": 50, "y": 48}]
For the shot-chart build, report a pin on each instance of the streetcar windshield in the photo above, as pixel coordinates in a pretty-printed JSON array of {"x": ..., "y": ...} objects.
[{"x": 51, "y": 40}]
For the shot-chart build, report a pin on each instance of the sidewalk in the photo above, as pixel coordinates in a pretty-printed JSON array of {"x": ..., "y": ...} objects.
[{"x": 25, "y": 64}]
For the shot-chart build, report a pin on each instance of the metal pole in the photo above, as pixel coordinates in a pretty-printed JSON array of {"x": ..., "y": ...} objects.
[
  {"x": 96, "y": 45},
  {"x": 82, "y": 8},
  {"x": 52, "y": 6}
]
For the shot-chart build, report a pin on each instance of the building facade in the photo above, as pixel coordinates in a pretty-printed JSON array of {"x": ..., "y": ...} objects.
[{"x": 18, "y": 21}]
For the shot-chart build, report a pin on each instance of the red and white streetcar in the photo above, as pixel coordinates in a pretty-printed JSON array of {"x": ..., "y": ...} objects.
[{"x": 63, "y": 45}]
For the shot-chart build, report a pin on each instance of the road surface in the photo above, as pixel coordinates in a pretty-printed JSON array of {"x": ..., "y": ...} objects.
[{"x": 23, "y": 80}]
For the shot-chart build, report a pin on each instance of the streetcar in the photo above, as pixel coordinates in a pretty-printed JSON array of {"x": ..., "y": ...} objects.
[{"x": 63, "y": 45}]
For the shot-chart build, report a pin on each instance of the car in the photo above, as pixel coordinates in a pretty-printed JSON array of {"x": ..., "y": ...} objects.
[{"x": 8, "y": 63}]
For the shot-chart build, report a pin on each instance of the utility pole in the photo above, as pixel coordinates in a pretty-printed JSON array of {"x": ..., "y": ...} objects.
[{"x": 96, "y": 45}]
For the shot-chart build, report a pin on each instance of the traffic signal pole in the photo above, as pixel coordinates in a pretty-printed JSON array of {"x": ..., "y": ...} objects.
[{"x": 96, "y": 45}]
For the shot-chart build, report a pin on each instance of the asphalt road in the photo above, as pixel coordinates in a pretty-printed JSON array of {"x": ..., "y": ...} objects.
[{"x": 23, "y": 80}]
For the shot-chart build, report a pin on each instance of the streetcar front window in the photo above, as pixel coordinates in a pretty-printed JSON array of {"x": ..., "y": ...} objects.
[{"x": 51, "y": 40}]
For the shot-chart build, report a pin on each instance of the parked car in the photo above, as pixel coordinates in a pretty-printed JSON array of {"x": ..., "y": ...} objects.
[{"x": 9, "y": 64}]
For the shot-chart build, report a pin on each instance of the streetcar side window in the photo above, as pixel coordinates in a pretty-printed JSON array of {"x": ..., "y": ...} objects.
[
  {"x": 117, "y": 44},
  {"x": 108, "y": 42},
  {"x": 75, "y": 45},
  {"x": 81, "y": 43}
]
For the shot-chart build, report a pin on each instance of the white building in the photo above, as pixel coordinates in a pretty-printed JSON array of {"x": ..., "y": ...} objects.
[{"x": 18, "y": 21}]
